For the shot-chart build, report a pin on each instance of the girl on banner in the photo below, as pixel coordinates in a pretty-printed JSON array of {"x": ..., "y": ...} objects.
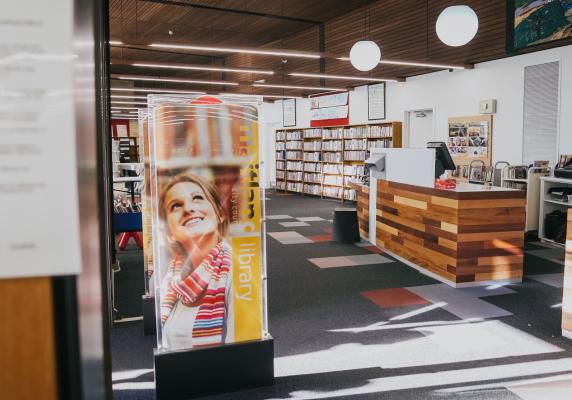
[{"x": 196, "y": 292}]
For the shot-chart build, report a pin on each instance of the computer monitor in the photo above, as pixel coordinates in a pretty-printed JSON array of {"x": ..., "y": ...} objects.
[{"x": 443, "y": 160}]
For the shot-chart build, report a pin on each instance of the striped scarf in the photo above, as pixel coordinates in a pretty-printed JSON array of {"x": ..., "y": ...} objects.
[{"x": 207, "y": 284}]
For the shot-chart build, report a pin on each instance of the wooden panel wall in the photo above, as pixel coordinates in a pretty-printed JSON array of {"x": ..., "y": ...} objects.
[
  {"x": 362, "y": 209},
  {"x": 27, "y": 354},
  {"x": 567, "y": 293},
  {"x": 462, "y": 240}
]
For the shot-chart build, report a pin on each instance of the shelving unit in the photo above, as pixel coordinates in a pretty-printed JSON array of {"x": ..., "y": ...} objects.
[
  {"x": 549, "y": 203},
  {"x": 329, "y": 157},
  {"x": 525, "y": 178}
]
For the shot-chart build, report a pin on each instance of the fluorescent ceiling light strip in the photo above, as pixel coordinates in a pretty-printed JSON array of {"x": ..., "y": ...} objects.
[
  {"x": 149, "y": 90},
  {"x": 117, "y": 96},
  {"x": 256, "y": 95},
  {"x": 413, "y": 64},
  {"x": 136, "y": 103},
  {"x": 298, "y": 87},
  {"x": 235, "y": 50},
  {"x": 199, "y": 82},
  {"x": 204, "y": 68},
  {"x": 353, "y": 78}
]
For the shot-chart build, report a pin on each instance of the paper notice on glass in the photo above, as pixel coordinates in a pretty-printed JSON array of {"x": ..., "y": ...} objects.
[{"x": 39, "y": 224}]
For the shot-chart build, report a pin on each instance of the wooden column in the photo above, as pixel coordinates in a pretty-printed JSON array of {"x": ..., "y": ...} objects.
[
  {"x": 27, "y": 347},
  {"x": 567, "y": 292}
]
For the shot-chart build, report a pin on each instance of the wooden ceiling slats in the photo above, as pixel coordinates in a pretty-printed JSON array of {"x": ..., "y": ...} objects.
[{"x": 404, "y": 29}]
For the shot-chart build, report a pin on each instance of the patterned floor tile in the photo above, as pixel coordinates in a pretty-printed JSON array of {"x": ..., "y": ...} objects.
[
  {"x": 289, "y": 237},
  {"x": 293, "y": 224},
  {"x": 320, "y": 238},
  {"x": 555, "y": 280},
  {"x": 462, "y": 304},
  {"x": 279, "y": 217},
  {"x": 485, "y": 291},
  {"x": 310, "y": 219},
  {"x": 332, "y": 262},
  {"x": 395, "y": 297},
  {"x": 347, "y": 261},
  {"x": 553, "y": 255},
  {"x": 553, "y": 388}
]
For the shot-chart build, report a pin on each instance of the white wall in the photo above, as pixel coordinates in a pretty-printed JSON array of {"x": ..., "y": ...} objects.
[{"x": 457, "y": 93}]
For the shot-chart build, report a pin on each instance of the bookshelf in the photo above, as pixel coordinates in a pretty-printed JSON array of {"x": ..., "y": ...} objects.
[
  {"x": 526, "y": 178},
  {"x": 551, "y": 200},
  {"x": 323, "y": 161}
]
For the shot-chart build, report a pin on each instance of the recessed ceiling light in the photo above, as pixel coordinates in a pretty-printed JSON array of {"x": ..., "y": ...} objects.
[
  {"x": 299, "y": 87},
  {"x": 176, "y": 80},
  {"x": 354, "y": 78},
  {"x": 203, "y": 68},
  {"x": 236, "y": 50}
]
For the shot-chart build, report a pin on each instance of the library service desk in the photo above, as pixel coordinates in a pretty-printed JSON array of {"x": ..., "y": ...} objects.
[{"x": 468, "y": 236}]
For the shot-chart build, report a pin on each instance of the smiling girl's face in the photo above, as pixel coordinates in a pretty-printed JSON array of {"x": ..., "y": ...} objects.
[{"x": 191, "y": 217}]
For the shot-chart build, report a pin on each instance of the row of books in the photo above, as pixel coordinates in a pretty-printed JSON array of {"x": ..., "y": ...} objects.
[
  {"x": 357, "y": 132},
  {"x": 316, "y": 178},
  {"x": 331, "y": 191},
  {"x": 355, "y": 155},
  {"x": 294, "y": 135},
  {"x": 354, "y": 170},
  {"x": 377, "y": 131},
  {"x": 333, "y": 180},
  {"x": 515, "y": 185},
  {"x": 281, "y": 155},
  {"x": 280, "y": 145},
  {"x": 294, "y": 186},
  {"x": 293, "y": 155},
  {"x": 294, "y": 165},
  {"x": 337, "y": 133},
  {"x": 279, "y": 174},
  {"x": 517, "y": 172},
  {"x": 280, "y": 135},
  {"x": 281, "y": 185},
  {"x": 312, "y": 167},
  {"x": 379, "y": 144},
  {"x": 279, "y": 164},
  {"x": 313, "y": 189},
  {"x": 294, "y": 176},
  {"x": 312, "y": 157},
  {"x": 332, "y": 169},
  {"x": 335, "y": 145},
  {"x": 313, "y": 133},
  {"x": 294, "y": 145},
  {"x": 332, "y": 157},
  {"x": 350, "y": 194},
  {"x": 355, "y": 144},
  {"x": 313, "y": 145}
]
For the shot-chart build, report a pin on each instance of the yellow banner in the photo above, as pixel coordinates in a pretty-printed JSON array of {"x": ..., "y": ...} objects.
[{"x": 247, "y": 288}]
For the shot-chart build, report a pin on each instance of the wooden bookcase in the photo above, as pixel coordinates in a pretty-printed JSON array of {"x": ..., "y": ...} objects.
[{"x": 323, "y": 161}]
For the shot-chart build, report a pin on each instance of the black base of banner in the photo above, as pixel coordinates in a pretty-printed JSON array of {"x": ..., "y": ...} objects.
[
  {"x": 149, "y": 321},
  {"x": 200, "y": 372}
]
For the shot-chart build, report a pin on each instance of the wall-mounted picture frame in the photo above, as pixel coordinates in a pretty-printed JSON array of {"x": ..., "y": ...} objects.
[
  {"x": 534, "y": 25},
  {"x": 376, "y": 101},
  {"x": 288, "y": 112}
]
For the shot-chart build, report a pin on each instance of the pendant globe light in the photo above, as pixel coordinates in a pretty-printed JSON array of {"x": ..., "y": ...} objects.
[
  {"x": 365, "y": 54},
  {"x": 457, "y": 25}
]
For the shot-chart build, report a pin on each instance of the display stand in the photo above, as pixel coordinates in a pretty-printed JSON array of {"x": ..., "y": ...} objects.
[
  {"x": 200, "y": 372},
  {"x": 549, "y": 203}
]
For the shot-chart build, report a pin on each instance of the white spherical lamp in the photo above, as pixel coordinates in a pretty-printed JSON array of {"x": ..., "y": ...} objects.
[
  {"x": 365, "y": 55},
  {"x": 457, "y": 25}
]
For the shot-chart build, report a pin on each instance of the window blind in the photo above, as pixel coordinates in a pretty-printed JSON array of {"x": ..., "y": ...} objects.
[{"x": 541, "y": 109}]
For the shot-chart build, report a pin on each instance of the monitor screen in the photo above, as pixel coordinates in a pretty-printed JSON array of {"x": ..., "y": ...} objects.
[{"x": 443, "y": 160}]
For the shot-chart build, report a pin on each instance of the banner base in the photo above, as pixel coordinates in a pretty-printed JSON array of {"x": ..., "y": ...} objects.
[
  {"x": 149, "y": 320},
  {"x": 192, "y": 373}
]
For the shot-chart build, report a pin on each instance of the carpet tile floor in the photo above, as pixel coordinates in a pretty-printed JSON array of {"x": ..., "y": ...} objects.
[{"x": 351, "y": 322}]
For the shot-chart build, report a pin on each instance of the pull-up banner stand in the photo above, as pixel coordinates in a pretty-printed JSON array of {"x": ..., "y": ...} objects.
[{"x": 208, "y": 254}]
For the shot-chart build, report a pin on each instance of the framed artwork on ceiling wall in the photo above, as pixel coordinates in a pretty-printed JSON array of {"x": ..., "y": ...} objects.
[
  {"x": 534, "y": 25},
  {"x": 288, "y": 112},
  {"x": 376, "y": 101}
]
